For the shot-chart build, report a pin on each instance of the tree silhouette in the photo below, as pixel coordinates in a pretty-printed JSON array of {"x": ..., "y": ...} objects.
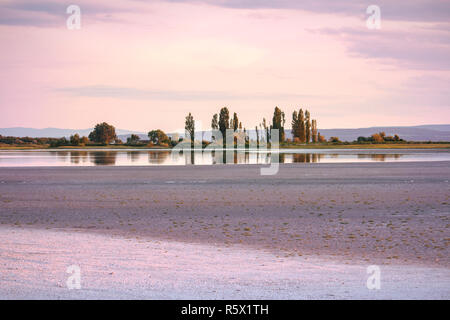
[
  {"x": 278, "y": 122},
  {"x": 224, "y": 122},
  {"x": 307, "y": 127},
  {"x": 158, "y": 137},
  {"x": 189, "y": 126},
  {"x": 103, "y": 133},
  {"x": 301, "y": 127}
]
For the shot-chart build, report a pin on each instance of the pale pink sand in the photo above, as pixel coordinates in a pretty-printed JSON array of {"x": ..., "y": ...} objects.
[{"x": 33, "y": 265}]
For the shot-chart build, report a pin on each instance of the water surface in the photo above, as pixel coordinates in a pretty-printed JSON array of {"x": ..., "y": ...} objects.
[{"x": 134, "y": 157}]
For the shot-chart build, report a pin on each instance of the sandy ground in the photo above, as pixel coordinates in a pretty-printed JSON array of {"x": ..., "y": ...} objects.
[
  {"x": 34, "y": 264},
  {"x": 226, "y": 231}
]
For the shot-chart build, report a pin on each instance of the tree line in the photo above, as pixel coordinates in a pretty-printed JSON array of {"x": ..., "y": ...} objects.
[{"x": 303, "y": 128}]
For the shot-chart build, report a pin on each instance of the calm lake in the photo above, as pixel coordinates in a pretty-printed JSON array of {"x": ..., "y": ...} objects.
[{"x": 166, "y": 157}]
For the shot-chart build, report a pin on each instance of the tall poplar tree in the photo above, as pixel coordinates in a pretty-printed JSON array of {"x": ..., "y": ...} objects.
[
  {"x": 294, "y": 125},
  {"x": 224, "y": 123},
  {"x": 189, "y": 126},
  {"x": 307, "y": 127},
  {"x": 314, "y": 131},
  {"x": 301, "y": 126}
]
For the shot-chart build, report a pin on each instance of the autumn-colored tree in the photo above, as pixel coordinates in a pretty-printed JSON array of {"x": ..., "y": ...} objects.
[
  {"x": 103, "y": 133},
  {"x": 321, "y": 138},
  {"x": 158, "y": 137},
  {"x": 84, "y": 140},
  {"x": 314, "y": 131},
  {"x": 301, "y": 126},
  {"x": 377, "y": 137},
  {"x": 307, "y": 127}
]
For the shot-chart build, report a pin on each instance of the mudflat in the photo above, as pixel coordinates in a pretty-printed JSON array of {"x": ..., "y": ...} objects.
[
  {"x": 391, "y": 214},
  {"x": 381, "y": 212}
]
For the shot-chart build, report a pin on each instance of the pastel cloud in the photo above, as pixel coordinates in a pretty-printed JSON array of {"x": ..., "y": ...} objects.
[
  {"x": 141, "y": 65},
  {"x": 416, "y": 48},
  {"x": 407, "y": 10}
]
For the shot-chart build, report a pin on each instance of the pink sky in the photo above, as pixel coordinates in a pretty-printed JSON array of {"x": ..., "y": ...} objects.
[{"x": 143, "y": 65}]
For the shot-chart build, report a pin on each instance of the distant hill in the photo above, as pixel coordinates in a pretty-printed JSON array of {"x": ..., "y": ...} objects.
[
  {"x": 439, "y": 132},
  {"x": 413, "y": 133},
  {"x": 438, "y": 127}
]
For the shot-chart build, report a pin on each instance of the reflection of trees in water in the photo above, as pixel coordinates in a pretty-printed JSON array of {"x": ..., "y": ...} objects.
[
  {"x": 62, "y": 155},
  {"x": 317, "y": 157},
  {"x": 306, "y": 157},
  {"x": 158, "y": 157},
  {"x": 188, "y": 156},
  {"x": 78, "y": 156},
  {"x": 103, "y": 158},
  {"x": 241, "y": 157},
  {"x": 379, "y": 156},
  {"x": 213, "y": 157},
  {"x": 281, "y": 157},
  {"x": 176, "y": 155},
  {"x": 231, "y": 157},
  {"x": 265, "y": 157},
  {"x": 219, "y": 156},
  {"x": 133, "y": 155}
]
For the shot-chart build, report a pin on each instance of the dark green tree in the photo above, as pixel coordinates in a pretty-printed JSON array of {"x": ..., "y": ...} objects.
[
  {"x": 278, "y": 123},
  {"x": 189, "y": 126},
  {"x": 75, "y": 139},
  {"x": 224, "y": 122},
  {"x": 133, "y": 139},
  {"x": 294, "y": 125},
  {"x": 266, "y": 128},
  {"x": 214, "y": 122},
  {"x": 235, "y": 126}
]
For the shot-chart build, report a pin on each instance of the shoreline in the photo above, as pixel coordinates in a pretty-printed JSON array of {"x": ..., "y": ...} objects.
[{"x": 381, "y": 146}]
